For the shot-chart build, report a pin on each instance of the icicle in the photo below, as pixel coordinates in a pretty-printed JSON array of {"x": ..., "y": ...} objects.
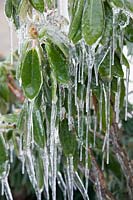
[
  {"x": 117, "y": 99},
  {"x": 62, "y": 184},
  {"x": 46, "y": 171},
  {"x": 76, "y": 84},
  {"x": 23, "y": 164},
  {"x": 96, "y": 74},
  {"x": 69, "y": 107},
  {"x": 29, "y": 126},
  {"x": 103, "y": 158},
  {"x": 54, "y": 173},
  {"x": 115, "y": 13},
  {"x": 86, "y": 154},
  {"x": 11, "y": 148},
  {"x": 70, "y": 177},
  {"x": 121, "y": 45},
  {"x": 2, "y": 187},
  {"x": 83, "y": 61},
  {"x": 11, "y": 40},
  {"x": 7, "y": 190},
  {"x": 31, "y": 171},
  {"x": 60, "y": 102},
  {"x": 100, "y": 108},
  {"x": 95, "y": 129},
  {"x": 81, "y": 129},
  {"x": 127, "y": 85},
  {"x": 79, "y": 184}
]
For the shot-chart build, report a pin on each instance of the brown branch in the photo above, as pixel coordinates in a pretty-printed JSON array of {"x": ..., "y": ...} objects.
[
  {"x": 122, "y": 157},
  {"x": 14, "y": 89},
  {"x": 97, "y": 177}
]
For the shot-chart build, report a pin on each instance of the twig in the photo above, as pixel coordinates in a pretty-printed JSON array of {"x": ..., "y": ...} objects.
[
  {"x": 97, "y": 177},
  {"x": 122, "y": 157}
]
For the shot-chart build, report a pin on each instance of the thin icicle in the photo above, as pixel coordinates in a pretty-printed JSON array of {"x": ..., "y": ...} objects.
[
  {"x": 96, "y": 74},
  {"x": 117, "y": 99},
  {"x": 103, "y": 158},
  {"x": 62, "y": 184},
  {"x": 70, "y": 107},
  {"x": 70, "y": 177},
  {"x": 127, "y": 86},
  {"x": 54, "y": 173},
  {"x": 83, "y": 61},
  {"x": 115, "y": 14},
  {"x": 95, "y": 129},
  {"x": 23, "y": 164},
  {"x": 7, "y": 190},
  {"x": 86, "y": 154},
  {"x": 2, "y": 187},
  {"x": 79, "y": 184},
  {"x": 100, "y": 108},
  {"x": 46, "y": 171},
  {"x": 30, "y": 125},
  {"x": 11, "y": 148},
  {"x": 76, "y": 84}
]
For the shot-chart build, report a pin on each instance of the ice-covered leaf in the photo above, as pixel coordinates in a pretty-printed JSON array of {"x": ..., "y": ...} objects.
[
  {"x": 38, "y": 5},
  {"x": 58, "y": 62},
  {"x": 31, "y": 74},
  {"x": 67, "y": 138},
  {"x": 8, "y": 8},
  {"x": 92, "y": 21}
]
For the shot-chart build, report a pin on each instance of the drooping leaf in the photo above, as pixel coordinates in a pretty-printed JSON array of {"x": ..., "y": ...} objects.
[
  {"x": 58, "y": 63},
  {"x": 75, "y": 26},
  {"x": 92, "y": 21},
  {"x": 38, "y": 128},
  {"x": 31, "y": 74},
  {"x": 8, "y": 8},
  {"x": 67, "y": 138},
  {"x": 38, "y": 5}
]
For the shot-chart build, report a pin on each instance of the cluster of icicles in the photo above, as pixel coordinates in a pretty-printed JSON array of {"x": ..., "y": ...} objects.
[{"x": 51, "y": 153}]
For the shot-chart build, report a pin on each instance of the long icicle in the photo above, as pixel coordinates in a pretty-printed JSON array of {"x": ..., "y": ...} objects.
[
  {"x": 79, "y": 184},
  {"x": 117, "y": 99},
  {"x": 127, "y": 86}
]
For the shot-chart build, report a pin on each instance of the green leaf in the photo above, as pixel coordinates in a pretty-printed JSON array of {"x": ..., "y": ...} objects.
[
  {"x": 39, "y": 169},
  {"x": 92, "y": 21},
  {"x": 75, "y": 26},
  {"x": 31, "y": 74},
  {"x": 38, "y": 5},
  {"x": 4, "y": 91},
  {"x": 116, "y": 69},
  {"x": 58, "y": 63},
  {"x": 38, "y": 128},
  {"x": 67, "y": 138},
  {"x": 107, "y": 33},
  {"x": 8, "y": 8},
  {"x": 55, "y": 37}
]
